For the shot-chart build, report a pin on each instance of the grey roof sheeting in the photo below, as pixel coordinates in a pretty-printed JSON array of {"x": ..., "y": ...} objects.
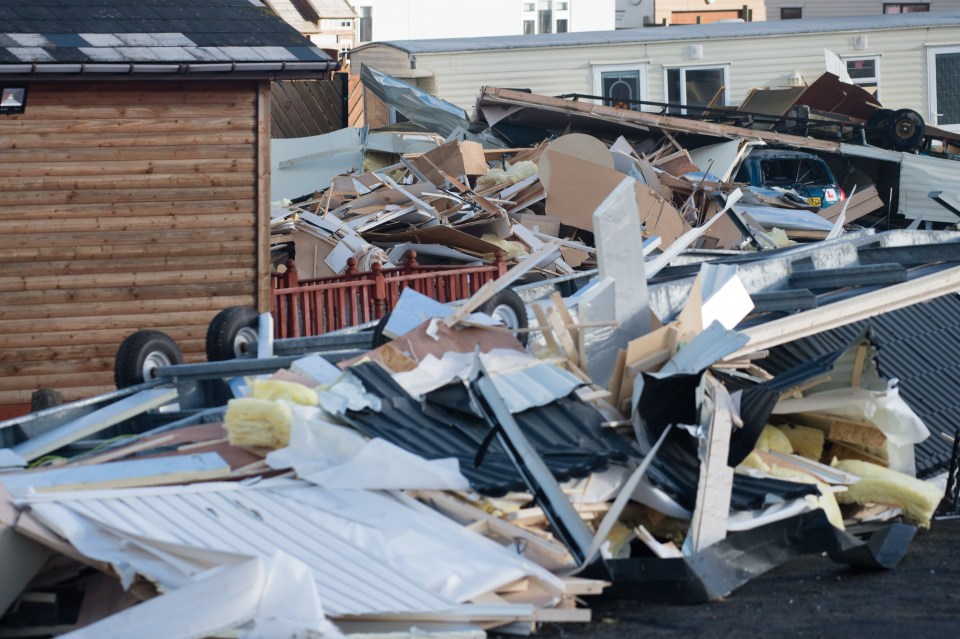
[
  {"x": 175, "y": 36},
  {"x": 567, "y": 433},
  {"x": 682, "y": 32}
]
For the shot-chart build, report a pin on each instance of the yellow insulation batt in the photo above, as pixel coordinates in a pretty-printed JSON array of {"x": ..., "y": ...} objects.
[
  {"x": 515, "y": 173},
  {"x": 917, "y": 498},
  {"x": 279, "y": 389},
  {"x": 771, "y": 438},
  {"x": 806, "y": 441},
  {"x": 258, "y": 423}
]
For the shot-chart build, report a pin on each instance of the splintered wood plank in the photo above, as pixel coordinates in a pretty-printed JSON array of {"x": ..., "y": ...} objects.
[
  {"x": 564, "y": 312},
  {"x": 563, "y": 336},
  {"x": 545, "y": 326}
]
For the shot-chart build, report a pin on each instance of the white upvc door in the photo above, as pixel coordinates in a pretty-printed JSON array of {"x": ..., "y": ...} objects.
[{"x": 943, "y": 91}]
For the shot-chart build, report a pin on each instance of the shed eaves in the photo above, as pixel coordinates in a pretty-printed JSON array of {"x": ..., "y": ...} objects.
[
  {"x": 682, "y": 32},
  {"x": 46, "y": 32}
]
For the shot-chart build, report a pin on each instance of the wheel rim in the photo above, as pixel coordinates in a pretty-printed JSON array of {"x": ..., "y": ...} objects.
[
  {"x": 152, "y": 362},
  {"x": 905, "y": 129},
  {"x": 245, "y": 341},
  {"x": 506, "y": 315}
]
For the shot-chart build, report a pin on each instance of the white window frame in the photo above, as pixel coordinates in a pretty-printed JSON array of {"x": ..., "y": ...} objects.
[
  {"x": 932, "y": 52},
  {"x": 683, "y": 68},
  {"x": 859, "y": 81},
  {"x": 600, "y": 69}
]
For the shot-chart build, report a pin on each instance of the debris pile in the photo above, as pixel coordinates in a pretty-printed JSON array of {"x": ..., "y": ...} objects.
[{"x": 678, "y": 380}]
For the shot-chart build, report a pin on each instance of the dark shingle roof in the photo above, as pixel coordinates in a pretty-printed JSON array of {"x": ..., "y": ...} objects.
[{"x": 172, "y": 32}]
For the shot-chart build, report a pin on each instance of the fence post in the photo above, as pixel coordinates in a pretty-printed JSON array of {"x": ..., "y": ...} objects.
[
  {"x": 411, "y": 264},
  {"x": 290, "y": 278},
  {"x": 379, "y": 291},
  {"x": 499, "y": 263},
  {"x": 351, "y": 267}
]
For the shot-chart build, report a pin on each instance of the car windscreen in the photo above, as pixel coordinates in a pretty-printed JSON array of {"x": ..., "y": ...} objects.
[{"x": 791, "y": 171}]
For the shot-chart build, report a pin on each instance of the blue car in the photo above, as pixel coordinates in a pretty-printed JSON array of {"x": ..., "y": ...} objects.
[{"x": 775, "y": 170}]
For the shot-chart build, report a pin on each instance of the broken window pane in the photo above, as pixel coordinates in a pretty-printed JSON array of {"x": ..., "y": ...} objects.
[
  {"x": 702, "y": 85},
  {"x": 695, "y": 87}
]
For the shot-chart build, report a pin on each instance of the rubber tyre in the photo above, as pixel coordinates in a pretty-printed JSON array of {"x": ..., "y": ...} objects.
[
  {"x": 141, "y": 354},
  {"x": 904, "y": 130},
  {"x": 877, "y": 125},
  {"x": 232, "y": 333},
  {"x": 509, "y": 309}
]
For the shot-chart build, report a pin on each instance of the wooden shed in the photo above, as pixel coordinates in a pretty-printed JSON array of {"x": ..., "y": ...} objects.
[{"x": 134, "y": 164}]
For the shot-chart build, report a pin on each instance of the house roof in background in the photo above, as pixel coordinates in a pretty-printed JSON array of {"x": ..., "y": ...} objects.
[
  {"x": 716, "y": 30},
  {"x": 304, "y": 15},
  {"x": 154, "y": 36}
]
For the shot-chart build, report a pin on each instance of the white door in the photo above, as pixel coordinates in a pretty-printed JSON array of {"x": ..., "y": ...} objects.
[{"x": 943, "y": 64}]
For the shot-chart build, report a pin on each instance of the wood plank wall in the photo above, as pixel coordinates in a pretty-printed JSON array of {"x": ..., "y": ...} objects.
[
  {"x": 124, "y": 206},
  {"x": 303, "y": 108}
]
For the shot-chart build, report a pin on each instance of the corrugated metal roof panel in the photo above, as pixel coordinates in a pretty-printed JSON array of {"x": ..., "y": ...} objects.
[
  {"x": 567, "y": 433},
  {"x": 257, "y": 521}
]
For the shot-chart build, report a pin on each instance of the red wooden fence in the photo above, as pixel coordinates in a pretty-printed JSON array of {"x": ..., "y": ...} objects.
[{"x": 302, "y": 308}]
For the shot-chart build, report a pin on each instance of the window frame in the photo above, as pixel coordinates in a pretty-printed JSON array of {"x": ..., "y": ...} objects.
[
  {"x": 599, "y": 69},
  {"x": 798, "y": 17},
  {"x": 725, "y": 67},
  {"x": 905, "y": 4},
  {"x": 932, "y": 106},
  {"x": 862, "y": 81}
]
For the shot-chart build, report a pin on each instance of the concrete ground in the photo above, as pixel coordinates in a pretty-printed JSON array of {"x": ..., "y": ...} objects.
[{"x": 809, "y": 597}]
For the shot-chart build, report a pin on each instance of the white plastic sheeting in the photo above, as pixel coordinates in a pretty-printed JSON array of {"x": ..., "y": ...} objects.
[
  {"x": 884, "y": 409},
  {"x": 522, "y": 380},
  {"x": 336, "y": 457},
  {"x": 261, "y": 598}
]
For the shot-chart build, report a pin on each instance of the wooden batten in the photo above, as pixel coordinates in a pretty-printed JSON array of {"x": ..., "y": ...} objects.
[
  {"x": 126, "y": 206},
  {"x": 263, "y": 198}
]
